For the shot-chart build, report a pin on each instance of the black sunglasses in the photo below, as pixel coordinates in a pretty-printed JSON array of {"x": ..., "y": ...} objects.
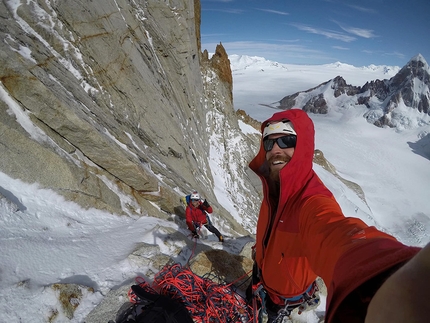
[{"x": 283, "y": 142}]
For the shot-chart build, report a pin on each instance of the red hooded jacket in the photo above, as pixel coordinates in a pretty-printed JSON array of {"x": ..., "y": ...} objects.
[
  {"x": 307, "y": 235},
  {"x": 196, "y": 215}
]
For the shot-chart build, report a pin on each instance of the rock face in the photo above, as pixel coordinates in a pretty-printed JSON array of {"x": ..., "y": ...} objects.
[
  {"x": 384, "y": 100},
  {"x": 105, "y": 103},
  {"x": 113, "y": 105}
]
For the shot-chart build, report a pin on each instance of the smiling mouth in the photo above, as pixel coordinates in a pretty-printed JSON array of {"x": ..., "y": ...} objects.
[{"x": 279, "y": 162}]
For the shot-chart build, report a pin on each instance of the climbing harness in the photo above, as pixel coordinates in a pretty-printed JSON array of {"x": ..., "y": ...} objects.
[{"x": 310, "y": 298}]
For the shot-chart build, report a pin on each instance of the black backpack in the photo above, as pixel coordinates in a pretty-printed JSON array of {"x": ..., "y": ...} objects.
[{"x": 153, "y": 308}]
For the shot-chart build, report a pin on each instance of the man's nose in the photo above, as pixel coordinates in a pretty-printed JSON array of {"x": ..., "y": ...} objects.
[{"x": 275, "y": 147}]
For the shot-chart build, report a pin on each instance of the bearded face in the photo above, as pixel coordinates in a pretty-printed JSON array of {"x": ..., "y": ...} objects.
[
  {"x": 277, "y": 158},
  {"x": 276, "y": 163}
]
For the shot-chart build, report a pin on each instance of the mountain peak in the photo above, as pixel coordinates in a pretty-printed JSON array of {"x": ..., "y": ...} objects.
[
  {"x": 418, "y": 58},
  {"x": 417, "y": 67},
  {"x": 418, "y": 62}
]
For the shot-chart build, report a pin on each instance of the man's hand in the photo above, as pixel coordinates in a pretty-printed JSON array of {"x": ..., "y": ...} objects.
[
  {"x": 403, "y": 297},
  {"x": 195, "y": 235}
]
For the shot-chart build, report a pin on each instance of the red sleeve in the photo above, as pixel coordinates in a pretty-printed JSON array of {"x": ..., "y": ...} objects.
[
  {"x": 344, "y": 251},
  {"x": 326, "y": 234}
]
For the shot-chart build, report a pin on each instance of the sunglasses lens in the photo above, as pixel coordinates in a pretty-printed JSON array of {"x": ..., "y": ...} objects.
[
  {"x": 268, "y": 144},
  {"x": 283, "y": 142},
  {"x": 287, "y": 141}
]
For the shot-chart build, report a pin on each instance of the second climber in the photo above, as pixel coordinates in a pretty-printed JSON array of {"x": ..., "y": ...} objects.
[{"x": 197, "y": 214}]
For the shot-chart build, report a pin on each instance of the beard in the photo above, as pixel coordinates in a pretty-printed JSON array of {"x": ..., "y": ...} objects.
[{"x": 274, "y": 171}]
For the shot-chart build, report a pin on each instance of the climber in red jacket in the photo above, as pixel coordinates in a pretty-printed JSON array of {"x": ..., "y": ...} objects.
[
  {"x": 302, "y": 233},
  {"x": 196, "y": 215}
]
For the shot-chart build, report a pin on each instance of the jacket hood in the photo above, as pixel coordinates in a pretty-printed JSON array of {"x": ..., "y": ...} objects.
[{"x": 298, "y": 171}]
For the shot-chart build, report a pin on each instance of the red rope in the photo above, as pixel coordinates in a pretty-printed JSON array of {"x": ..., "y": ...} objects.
[
  {"x": 194, "y": 246},
  {"x": 206, "y": 301}
]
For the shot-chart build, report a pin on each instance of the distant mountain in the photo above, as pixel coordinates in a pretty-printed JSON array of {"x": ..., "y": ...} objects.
[
  {"x": 399, "y": 102},
  {"x": 277, "y": 80},
  {"x": 240, "y": 63}
]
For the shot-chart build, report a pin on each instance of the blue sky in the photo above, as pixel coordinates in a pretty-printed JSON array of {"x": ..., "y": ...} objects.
[{"x": 360, "y": 33}]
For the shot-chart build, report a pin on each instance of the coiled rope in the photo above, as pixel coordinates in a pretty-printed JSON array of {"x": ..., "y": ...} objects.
[{"x": 206, "y": 301}]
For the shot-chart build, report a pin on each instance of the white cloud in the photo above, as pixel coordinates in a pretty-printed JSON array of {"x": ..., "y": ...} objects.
[
  {"x": 340, "y": 47},
  {"x": 365, "y": 33},
  {"x": 274, "y": 11},
  {"x": 363, "y": 9},
  {"x": 326, "y": 33}
]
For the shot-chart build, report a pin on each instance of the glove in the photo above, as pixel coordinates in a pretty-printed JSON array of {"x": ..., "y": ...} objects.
[
  {"x": 206, "y": 204},
  {"x": 194, "y": 234}
]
